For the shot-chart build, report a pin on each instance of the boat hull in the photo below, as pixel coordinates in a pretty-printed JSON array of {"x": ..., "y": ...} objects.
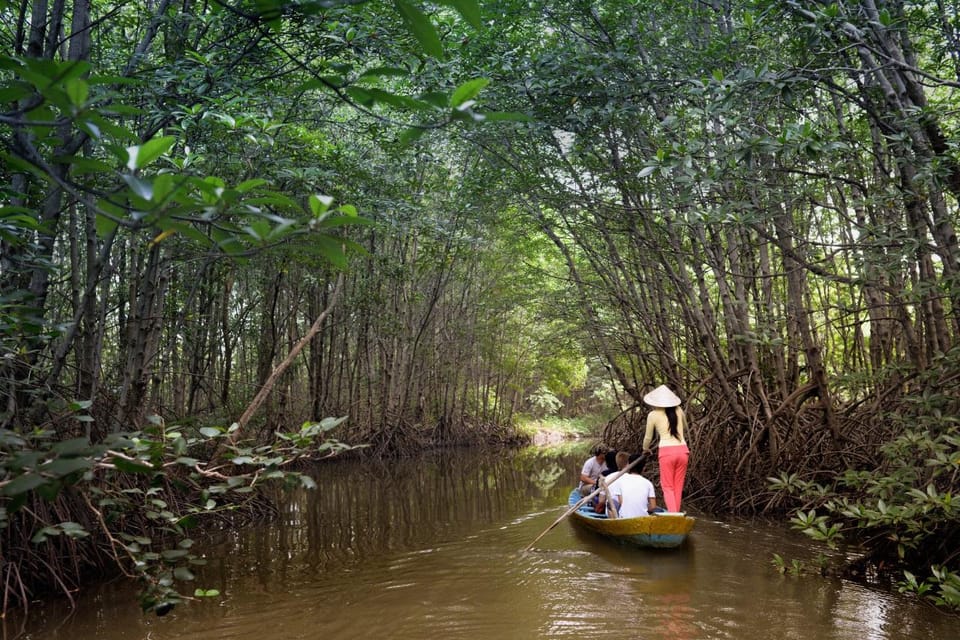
[{"x": 663, "y": 531}]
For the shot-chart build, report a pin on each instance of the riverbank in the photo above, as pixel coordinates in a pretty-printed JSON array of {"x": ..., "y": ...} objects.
[{"x": 547, "y": 431}]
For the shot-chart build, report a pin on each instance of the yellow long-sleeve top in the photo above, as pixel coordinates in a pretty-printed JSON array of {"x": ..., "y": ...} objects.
[{"x": 657, "y": 421}]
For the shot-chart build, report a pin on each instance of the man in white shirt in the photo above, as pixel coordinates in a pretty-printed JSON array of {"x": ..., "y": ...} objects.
[{"x": 633, "y": 495}]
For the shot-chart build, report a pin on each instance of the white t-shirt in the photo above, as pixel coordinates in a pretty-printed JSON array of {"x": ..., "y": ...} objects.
[{"x": 633, "y": 492}]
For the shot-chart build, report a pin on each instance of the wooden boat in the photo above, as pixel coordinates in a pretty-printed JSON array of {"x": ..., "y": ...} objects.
[{"x": 664, "y": 530}]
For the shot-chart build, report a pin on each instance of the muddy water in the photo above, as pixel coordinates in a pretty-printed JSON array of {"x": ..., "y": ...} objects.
[{"x": 432, "y": 548}]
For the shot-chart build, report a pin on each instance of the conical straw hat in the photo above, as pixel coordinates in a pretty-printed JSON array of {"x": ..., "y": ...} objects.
[{"x": 662, "y": 397}]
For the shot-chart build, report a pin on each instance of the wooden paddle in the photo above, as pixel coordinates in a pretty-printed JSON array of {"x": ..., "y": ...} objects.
[{"x": 584, "y": 499}]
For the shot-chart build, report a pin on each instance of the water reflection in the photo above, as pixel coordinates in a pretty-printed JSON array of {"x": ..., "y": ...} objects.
[{"x": 432, "y": 547}]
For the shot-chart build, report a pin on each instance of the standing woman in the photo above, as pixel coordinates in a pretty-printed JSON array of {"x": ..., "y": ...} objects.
[{"x": 668, "y": 420}]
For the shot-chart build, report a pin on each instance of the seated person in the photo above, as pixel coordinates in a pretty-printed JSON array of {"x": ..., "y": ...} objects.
[
  {"x": 592, "y": 469},
  {"x": 610, "y": 459},
  {"x": 631, "y": 494},
  {"x": 615, "y": 461}
]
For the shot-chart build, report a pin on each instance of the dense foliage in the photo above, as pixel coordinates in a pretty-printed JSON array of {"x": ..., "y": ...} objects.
[
  {"x": 171, "y": 235},
  {"x": 756, "y": 203},
  {"x": 433, "y": 218},
  {"x": 131, "y": 502}
]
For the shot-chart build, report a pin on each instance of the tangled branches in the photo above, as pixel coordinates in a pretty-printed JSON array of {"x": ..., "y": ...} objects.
[{"x": 70, "y": 509}]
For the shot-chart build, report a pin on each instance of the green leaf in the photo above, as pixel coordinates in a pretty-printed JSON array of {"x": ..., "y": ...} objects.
[
  {"x": 16, "y": 502},
  {"x": 469, "y": 9},
  {"x": 132, "y": 466},
  {"x": 273, "y": 200},
  {"x": 104, "y": 225},
  {"x": 163, "y": 185},
  {"x": 14, "y": 162},
  {"x": 210, "y": 432},
  {"x": 421, "y": 27},
  {"x": 25, "y": 460},
  {"x": 13, "y": 91},
  {"x": 78, "y": 91},
  {"x": 142, "y": 188},
  {"x": 411, "y": 135},
  {"x": 395, "y": 100},
  {"x": 72, "y": 447},
  {"x": 468, "y": 91},
  {"x": 92, "y": 166},
  {"x": 74, "y": 70},
  {"x": 438, "y": 99},
  {"x": 43, "y": 534},
  {"x": 259, "y": 229},
  {"x": 140, "y": 156},
  {"x": 351, "y": 218},
  {"x": 66, "y": 466},
  {"x": 249, "y": 185},
  {"x": 22, "y": 484},
  {"x": 50, "y": 490},
  {"x": 186, "y": 230},
  {"x": 118, "y": 132},
  {"x": 647, "y": 171},
  {"x": 360, "y": 96},
  {"x": 11, "y": 439},
  {"x": 225, "y": 118},
  {"x": 73, "y": 530},
  {"x": 331, "y": 249},
  {"x": 319, "y": 203}
]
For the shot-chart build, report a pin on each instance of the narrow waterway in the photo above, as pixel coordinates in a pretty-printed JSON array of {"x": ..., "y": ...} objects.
[{"x": 433, "y": 548}]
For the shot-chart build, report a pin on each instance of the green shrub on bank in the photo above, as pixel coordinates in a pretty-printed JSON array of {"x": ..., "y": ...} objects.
[
  {"x": 900, "y": 508},
  {"x": 128, "y": 504}
]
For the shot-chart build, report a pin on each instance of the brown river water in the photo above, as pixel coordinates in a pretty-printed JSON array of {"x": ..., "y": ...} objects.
[{"x": 433, "y": 547}]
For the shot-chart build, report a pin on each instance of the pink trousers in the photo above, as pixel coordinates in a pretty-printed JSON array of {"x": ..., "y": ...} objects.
[{"x": 673, "y": 471}]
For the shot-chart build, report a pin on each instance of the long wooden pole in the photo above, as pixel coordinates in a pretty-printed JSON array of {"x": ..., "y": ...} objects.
[{"x": 583, "y": 500}]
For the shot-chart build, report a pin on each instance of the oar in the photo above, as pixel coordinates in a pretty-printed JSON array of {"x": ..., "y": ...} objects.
[
  {"x": 611, "y": 504},
  {"x": 582, "y": 501}
]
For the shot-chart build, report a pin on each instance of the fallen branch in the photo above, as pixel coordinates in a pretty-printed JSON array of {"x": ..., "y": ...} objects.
[{"x": 267, "y": 387}]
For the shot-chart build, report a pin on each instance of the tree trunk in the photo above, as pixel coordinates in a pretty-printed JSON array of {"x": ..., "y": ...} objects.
[
  {"x": 144, "y": 327},
  {"x": 796, "y": 309}
]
